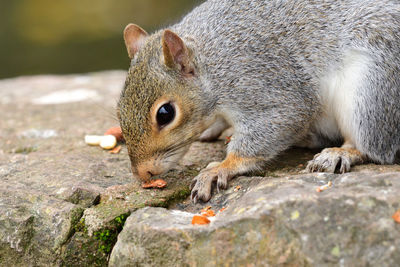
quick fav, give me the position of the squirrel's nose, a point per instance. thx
(146, 170)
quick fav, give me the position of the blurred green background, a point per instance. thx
(68, 36)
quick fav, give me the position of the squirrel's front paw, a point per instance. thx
(334, 159)
(202, 183)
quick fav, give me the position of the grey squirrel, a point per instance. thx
(280, 72)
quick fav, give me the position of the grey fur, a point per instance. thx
(264, 60)
(259, 65)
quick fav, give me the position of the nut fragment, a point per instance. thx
(205, 209)
(108, 142)
(158, 183)
(116, 131)
(323, 187)
(197, 219)
(208, 213)
(396, 216)
(93, 140)
(115, 150)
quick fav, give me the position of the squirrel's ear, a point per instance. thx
(134, 37)
(176, 54)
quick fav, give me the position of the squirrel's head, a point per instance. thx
(162, 108)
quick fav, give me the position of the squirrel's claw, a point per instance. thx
(334, 160)
(194, 197)
(193, 183)
(222, 182)
(202, 183)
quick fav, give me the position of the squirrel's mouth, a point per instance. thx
(159, 163)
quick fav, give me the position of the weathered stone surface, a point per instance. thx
(63, 203)
(35, 225)
(49, 178)
(275, 221)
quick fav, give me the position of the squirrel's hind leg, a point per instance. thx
(336, 159)
(214, 131)
(378, 111)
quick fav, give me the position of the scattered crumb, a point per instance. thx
(105, 141)
(208, 213)
(323, 187)
(205, 209)
(159, 183)
(115, 131)
(93, 140)
(396, 216)
(115, 150)
(237, 188)
(222, 209)
(198, 219)
(108, 142)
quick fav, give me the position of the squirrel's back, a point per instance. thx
(314, 33)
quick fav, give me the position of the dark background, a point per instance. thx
(69, 36)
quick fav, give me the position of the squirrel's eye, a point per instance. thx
(165, 114)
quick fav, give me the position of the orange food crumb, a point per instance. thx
(116, 131)
(159, 183)
(198, 219)
(115, 150)
(222, 209)
(323, 187)
(237, 188)
(208, 213)
(205, 209)
(396, 216)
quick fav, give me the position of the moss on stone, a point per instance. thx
(25, 149)
(107, 240)
(83, 250)
(80, 226)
